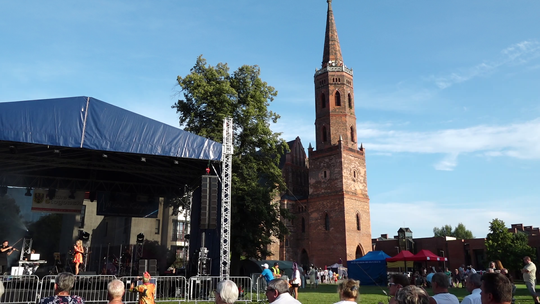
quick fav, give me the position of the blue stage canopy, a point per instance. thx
(89, 123)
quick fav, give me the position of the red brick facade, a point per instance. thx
(458, 251)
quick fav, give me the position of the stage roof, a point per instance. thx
(83, 143)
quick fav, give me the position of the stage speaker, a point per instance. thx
(212, 222)
(209, 201)
(148, 265)
(205, 189)
(152, 267)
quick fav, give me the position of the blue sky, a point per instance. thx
(447, 93)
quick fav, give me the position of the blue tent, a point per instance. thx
(369, 269)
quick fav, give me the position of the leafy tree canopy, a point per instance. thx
(211, 94)
(509, 248)
(11, 222)
(459, 232)
(45, 232)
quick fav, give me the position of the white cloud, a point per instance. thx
(519, 140)
(448, 163)
(519, 53)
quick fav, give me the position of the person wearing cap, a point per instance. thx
(266, 273)
(275, 271)
(146, 290)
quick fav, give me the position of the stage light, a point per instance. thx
(51, 194)
(104, 155)
(84, 236)
(175, 162)
(28, 191)
(140, 238)
(143, 159)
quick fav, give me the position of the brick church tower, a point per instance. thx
(339, 224)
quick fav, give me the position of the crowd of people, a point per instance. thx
(64, 282)
(489, 288)
(494, 286)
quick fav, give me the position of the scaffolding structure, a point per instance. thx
(226, 179)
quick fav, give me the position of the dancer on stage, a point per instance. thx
(78, 258)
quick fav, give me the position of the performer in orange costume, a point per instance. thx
(78, 249)
(146, 290)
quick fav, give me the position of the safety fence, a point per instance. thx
(93, 289)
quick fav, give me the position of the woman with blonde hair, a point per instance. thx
(78, 250)
(348, 291)
(498, 266)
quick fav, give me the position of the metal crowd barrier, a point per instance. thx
(201, 288)
(168, 288)
(20, 289)
(93, 289)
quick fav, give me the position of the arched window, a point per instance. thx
(350, 101)
(323, 134)
(338, 99)
(323, 101)
(352, 135)
(303, 225)
(358, 222)
(326, 222)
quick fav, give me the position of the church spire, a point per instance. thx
(332, 50)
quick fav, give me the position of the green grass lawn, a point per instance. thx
(327, 293)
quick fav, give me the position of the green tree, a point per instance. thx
(459, 232)
(445, 230)
(509, 248)
(11, 222)
(45, 232)
(212, 94)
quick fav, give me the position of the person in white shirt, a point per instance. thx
(439, 285)
(473, 286)
(348, 291)
(529, 277)
(277, 292)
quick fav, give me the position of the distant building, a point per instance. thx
(458, 251)
(110, 236)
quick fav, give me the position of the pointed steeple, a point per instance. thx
(332, 49)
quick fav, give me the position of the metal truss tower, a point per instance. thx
(226, 178)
